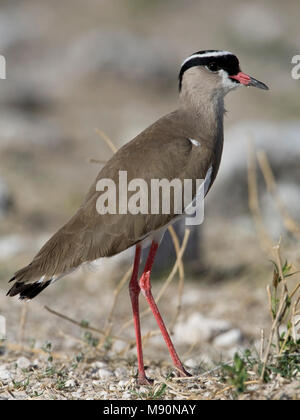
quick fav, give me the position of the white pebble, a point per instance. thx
(199, 328)
(119, 346)
(98, 365)
(23, 363)
(122, 383)
(105, 373)
(102, 394)
(192, 363)
(4, 373)
(70, 383)
(229, 338)
(120, 372)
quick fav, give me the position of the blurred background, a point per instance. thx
(73, 66)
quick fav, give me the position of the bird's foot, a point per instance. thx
(143, 380)
(181, 372)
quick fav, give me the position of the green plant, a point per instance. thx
(21, 385)
(236, 375)
(283, 349)
(90, 339)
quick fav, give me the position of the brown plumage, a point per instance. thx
(89, 235)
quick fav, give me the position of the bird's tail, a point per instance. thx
(56, 259)
(29, 282)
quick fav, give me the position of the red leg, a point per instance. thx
(145, 286)
(134, 291)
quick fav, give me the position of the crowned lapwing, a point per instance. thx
(185, 144)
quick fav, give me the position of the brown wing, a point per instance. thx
(161, 151)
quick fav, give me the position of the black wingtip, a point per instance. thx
(33, 290)
(27, 291)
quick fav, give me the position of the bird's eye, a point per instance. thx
(213, 67)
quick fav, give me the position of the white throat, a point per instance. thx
(227, 83)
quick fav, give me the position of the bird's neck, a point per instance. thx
(205, 107)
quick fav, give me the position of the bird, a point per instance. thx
(185, 144)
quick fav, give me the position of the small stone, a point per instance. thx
(191, 363)
(126, 395)
(199, 328)
(120, 372)
(23, 363)
(122, 383)
(4, 373)
(119, 346)
(102, 394)
(229, 338)
(98, 365)
(97, 382)
(70, 383)
(105, 373)
(76, 395)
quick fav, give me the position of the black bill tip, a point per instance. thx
(257, 83)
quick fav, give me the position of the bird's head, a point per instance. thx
(215, 70)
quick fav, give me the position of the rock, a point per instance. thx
(199, 328)
(4, 373)
(228, 339)
(119, 346)
(23, 363)
(103, 394)
(70, 383)
(191, 363)
(121, 372)
(191, 296)
(35, 363)
(105, 373)
(122, 383)
(76, 395)
(143, 390)
(98, 365)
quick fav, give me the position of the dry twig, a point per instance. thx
(264, 237)
(80, 324)
(290, 224)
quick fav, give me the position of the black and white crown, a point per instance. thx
(213, 60)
